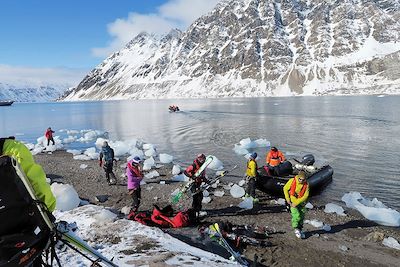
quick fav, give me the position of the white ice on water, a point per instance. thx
(246, 144)
(373, 210)
(334, 208)
(66, 196)
(238, 149)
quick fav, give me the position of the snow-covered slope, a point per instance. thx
(31, 92)
(260, 48)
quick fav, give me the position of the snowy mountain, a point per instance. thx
(260, 48)
(31, 93)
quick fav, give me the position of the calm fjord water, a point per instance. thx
(356, 135)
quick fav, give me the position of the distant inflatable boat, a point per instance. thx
(318, 178)
(173, 108)
(6, 103)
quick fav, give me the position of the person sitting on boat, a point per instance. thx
(190, 173)
(251, 176)
(296, 192)
(273, 159)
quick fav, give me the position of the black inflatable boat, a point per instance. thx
(273, 181)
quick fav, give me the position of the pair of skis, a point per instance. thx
(216, 234)
(61, 230)
(175, 199)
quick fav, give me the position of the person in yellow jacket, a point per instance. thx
(251, 176)
(296, 192)
(37, 177)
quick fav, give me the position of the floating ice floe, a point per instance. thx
(70, 139)
(176, 169)
(66, 196)
(165, 158)
(373, 210)
(391, 243)
(90, 135)
(315, 223)
(245, 144)
(334, 208)
(246, 204)
(237, 191)
(238, 149)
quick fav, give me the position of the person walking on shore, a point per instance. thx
(135, 176)
(49, 136)
(107, 153)
(296, 192)
(190, 173)
(251, 176)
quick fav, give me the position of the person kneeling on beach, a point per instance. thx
(296, 192)
(135, 176)
(251, 176)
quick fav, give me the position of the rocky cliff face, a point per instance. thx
(260, 48)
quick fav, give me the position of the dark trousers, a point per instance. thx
(50, 139)
(108, 168)
(251, 186)
(197, 199)
(136, 196)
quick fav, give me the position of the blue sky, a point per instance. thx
(76, 35)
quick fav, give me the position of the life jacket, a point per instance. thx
(135, 170)
(108, 153)
(249, 170)
(274, 158)
(24, 233)
(292, 191)
(192, 169)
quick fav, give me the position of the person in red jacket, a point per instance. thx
(49, 136)
(190, 173)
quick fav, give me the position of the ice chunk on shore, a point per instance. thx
(326, 228)
(309, 206)
(105, 216)
(242, 183)
(180, 178)
(391, 243)
(165, 158)
(206, 200)
(219, 193)
(334, 208)
(315, 223)
(148, 163)
(152, 174)
(176, 169)
(372, 210)
(237, 191)
(148, 146)
(216, 164)
(246, 204)
(91, 153)
(83, 166)
(66, 196)
(150, 152)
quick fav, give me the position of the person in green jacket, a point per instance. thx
(37, 177)
(296, 192)
(251, 176)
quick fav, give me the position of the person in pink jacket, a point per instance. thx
(135, 176)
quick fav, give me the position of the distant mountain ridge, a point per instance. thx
(31, 93)
(260, 48)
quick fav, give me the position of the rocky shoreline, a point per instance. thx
(352, 241)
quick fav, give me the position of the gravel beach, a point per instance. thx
(352, 241)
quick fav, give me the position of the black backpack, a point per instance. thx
(24, 233)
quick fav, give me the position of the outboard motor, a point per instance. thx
(308, 160)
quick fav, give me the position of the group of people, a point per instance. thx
(173, 108)
(296, 190)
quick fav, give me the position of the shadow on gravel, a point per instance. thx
(234, 211)
(340, 227)
(192, 237)
(55, 178)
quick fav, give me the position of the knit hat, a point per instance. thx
(253, 155)
(136, 160)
